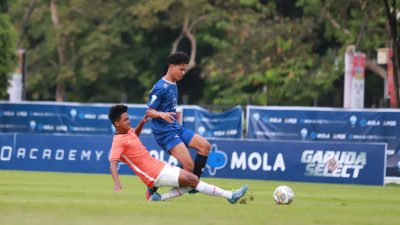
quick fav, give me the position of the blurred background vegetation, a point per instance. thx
(261, 52)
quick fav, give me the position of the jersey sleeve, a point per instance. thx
(116, 152)
(155, 96)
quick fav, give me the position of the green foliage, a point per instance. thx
(287, 52)
(266, 61)
(7, 50)
(249, 51)
(114, 53)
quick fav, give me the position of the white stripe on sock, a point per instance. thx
(213, 190)
(175, 192)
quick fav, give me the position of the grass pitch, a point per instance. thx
(41, 198)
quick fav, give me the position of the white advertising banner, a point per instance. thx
(15, 88)
(354, 82)
(358, 81)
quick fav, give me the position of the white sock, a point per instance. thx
(175, 192)
(213, 190)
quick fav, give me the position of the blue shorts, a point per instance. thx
(169, 140)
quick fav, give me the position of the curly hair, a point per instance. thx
(178, 58)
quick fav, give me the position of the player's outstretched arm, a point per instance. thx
(139, 127)
(167, 116)
(114, 174)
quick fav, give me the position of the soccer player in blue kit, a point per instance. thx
(169, 134)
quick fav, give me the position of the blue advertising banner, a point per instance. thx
(65, 153)
(64, 118)
(272, 160)
(328, 124)
(298, 161)
(219, 125)
(6, 147)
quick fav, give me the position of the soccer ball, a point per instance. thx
(283, 195)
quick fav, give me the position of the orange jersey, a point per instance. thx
(129, 149)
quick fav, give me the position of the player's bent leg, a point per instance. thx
(203, 149)
(182, 154)
(178, 149)
(200, 144)
(185, 180)
(171, 176)
(167, 142)
(188, 179)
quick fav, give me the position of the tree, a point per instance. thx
(266, 58)
(392, 20)
(79, 54)
(97, 56)
(60, 89)
(359, 22)
(249, 51)
(7, 49)
(290, 52)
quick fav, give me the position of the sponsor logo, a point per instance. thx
(348, 164)
(290, 120)
(371, 123)
(9, 113)
(216, 133)
(22, 114)
(6, 154)
(223, 133)
(45, 127)
(201, 130)
(353, 120)
(217, 159)
(87, 116)
(153, 99)
(189, 119)
(314, 135)
(62, 128)
(267, 119)
(275, 120)
(102, 117)
(163, 156)
(304, 133)
(256, 116)
(389, 123)
(339, 136)
(32, 125)
(254, 161)
(73, 113)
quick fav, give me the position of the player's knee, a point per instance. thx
(205, 147)
(193, 180)
(188, 166)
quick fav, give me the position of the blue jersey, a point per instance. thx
(164, 98)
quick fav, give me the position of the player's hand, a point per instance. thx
(168, 116)
(117, 188)
(146, 117)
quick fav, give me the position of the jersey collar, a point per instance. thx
(169, 82)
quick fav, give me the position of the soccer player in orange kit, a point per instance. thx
(127, 148)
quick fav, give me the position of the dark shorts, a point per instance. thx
(171, 139)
